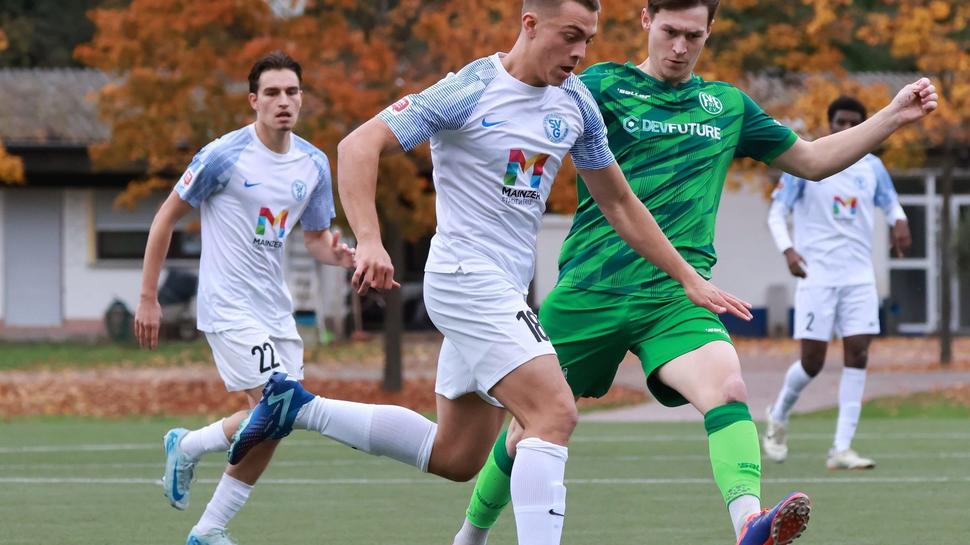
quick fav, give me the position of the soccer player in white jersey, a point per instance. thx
(252, 185)
(832, 258)
(499, 130)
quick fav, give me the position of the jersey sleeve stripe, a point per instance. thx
(592, 149)
(211, 167)
(446, 105)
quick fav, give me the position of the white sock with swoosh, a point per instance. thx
(538, 494)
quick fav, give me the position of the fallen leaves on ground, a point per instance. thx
(155, 392)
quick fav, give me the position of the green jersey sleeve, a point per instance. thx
(762, 137)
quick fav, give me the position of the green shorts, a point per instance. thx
(593, 330)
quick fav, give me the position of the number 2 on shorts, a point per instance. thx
(273, 364)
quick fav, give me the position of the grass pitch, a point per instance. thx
(93, 482)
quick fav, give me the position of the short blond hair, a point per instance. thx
(543, 5)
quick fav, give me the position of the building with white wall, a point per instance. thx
(67, 252)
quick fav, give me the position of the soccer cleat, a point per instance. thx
(272, 418)
(179, 469)
(774, 441)
(778, 526)
(848, 459)
(213, 537)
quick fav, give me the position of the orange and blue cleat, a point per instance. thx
(778, 526)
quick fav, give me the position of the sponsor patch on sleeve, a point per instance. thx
(400, 106)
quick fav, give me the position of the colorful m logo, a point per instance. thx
(518, 163)
(266, 216)
(844, 207)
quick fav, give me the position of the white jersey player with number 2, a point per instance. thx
(836, 293)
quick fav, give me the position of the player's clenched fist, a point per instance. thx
(374, 269)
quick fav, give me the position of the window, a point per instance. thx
(122, 234)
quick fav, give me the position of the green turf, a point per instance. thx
(628, 483)
(915, 405)
(39, 355)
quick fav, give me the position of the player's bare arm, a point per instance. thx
(148, 315)
(358, 155)
(634, 223)
(834, 153)
(325, 247)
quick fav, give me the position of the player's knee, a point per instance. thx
(560, 420)
(857, 358)
(734, 390)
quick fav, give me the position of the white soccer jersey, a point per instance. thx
(250, 199)
(496, 145)
(834, 219)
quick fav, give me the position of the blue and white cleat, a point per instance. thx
(272, 418)
(179, 469)
(778, 526)
(213, 537)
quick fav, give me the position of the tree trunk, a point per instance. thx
(946, 253)
(394, 314)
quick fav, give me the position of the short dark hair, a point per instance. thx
(848, 103)
(277, 60)
(530, 5)
(653, 6)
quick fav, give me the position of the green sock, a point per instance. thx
(735, 452)
(492, 489)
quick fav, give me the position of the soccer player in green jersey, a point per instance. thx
(674, 136)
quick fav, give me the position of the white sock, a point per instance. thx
(796, 379)
(227, 500)
(851, 386)
(741, 508)
(211, 438)
(538, 494)
(471, 535)
(381, 430)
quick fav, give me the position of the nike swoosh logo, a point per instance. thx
(247, 183)
(175, 486)
(486, 124)
(552, 512)
(286, 397)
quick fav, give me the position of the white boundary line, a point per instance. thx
(357, 461)
(432, 481)
(645, 438)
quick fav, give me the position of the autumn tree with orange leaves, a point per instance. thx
(11, 166)
(179, 70)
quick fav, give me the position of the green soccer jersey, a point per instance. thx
(675, 145)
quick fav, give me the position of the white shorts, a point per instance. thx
(246, 357)
(488, 327)
(846, 310)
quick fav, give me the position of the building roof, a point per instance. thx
(50, 107)
(45, 107)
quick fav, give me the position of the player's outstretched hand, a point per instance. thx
(374, 269)
(795, 263)
(704, 294)
(915, 101)
(343, 255)
(148, 316)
